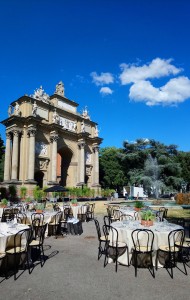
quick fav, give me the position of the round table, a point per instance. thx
(125, 228)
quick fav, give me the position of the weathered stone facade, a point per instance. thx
(48, 142)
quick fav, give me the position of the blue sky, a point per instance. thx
(128, 61)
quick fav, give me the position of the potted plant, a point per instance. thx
(39, 207)
(74, 202)
(147, 217)
(4, 202)
(138, 205)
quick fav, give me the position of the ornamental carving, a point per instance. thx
(88, 170)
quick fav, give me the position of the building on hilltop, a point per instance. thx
(48, 142)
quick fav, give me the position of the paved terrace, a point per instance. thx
(73, 272)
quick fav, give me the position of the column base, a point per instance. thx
(30, 181)
(80, 184)
(52, 183)
(96, 185)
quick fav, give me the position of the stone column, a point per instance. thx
(7, 157)
(14, 173)
(53, 138)
(96, 165)
(31, 158)
(81, 166)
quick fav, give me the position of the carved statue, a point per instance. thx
(34, 109)
(10, 110)
(96, 132)
(17, 109)
(55, 117)
(39, 94)
(60, 89)
(85, 114)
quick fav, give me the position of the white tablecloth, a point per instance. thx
(7, 233)
(161, 231)
(79, 209)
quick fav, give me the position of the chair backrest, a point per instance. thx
(164, 211)
(38, 216)
(107, 220)
(176, 237)
(21, 240)
(97, 228)
(7, 215)
(58, 217)
(143, 238)
(111, 235)
(38, 230)
(126, 218)
(116, 213)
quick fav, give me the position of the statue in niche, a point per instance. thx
(96, 132)
(10, 110)
(75, 126)
(82, 127)
(34, 109)
(55, 117)
(17, 109)
(60, 90)
(85, 114)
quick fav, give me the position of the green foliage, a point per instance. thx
(3, 192)
(138, 204)
(4, 201)
(13, 190)
(147, 215)
(112, 174)
(23, 191)
(38, 193)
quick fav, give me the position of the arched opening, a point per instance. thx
(64, 157)
(38, 176)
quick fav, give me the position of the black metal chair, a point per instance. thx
(113, 247)
(37, 240)
(19, 250)
(7, 215)
(54, 225)
(143, 249)
(101, 239)
(168, 254)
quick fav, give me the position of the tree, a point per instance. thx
(112, 174)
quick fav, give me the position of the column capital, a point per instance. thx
(95, 148)
(8, 135)
(54, 137)
(81, 144)
(31, 131)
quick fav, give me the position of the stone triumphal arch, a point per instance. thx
(48, 142)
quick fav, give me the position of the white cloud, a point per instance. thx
(103, 78)
(106, 91)
(155, 69)
(175, 91)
